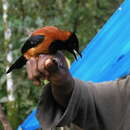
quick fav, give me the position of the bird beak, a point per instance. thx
(74, 52)
(77, 51)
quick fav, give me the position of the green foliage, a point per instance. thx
(85, 17)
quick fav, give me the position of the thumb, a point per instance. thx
(52, 65)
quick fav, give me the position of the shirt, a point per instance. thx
(92, 106)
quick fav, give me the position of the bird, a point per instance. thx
(47, 40)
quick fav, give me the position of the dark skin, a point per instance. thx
(54, 69)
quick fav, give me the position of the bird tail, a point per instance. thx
(20, 62)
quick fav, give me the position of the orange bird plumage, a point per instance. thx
(47, 40)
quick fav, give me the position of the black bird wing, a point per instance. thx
(56, 45)
(32, 42)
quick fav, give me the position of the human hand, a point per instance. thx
(53, 68)
(50, 67)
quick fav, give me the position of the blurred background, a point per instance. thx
(18, 18)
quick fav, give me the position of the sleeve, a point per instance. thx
(92, 106)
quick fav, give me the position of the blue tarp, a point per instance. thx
(31, 123)
(105, 58)
(108, 51)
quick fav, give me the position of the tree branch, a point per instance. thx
(4, 120)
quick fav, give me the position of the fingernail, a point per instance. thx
(32, 59)
(41, 56)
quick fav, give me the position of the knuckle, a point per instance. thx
(51, 66)
(32, 61)
(49, 63)
(40, 67)
(41, 56)
(30, 77)
(28, 63)
(35, 75)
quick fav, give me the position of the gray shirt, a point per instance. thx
(92, 106)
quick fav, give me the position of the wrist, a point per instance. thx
(62, 92)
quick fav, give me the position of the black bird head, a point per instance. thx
(73, 45)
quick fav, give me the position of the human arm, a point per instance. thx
(54, 68)
(98, 106)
